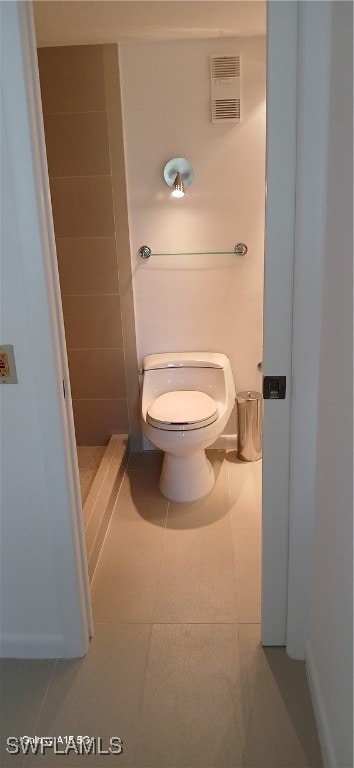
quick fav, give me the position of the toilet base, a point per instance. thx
(186, 478)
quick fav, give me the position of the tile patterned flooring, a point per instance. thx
(175, 668)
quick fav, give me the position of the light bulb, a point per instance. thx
(178, 188)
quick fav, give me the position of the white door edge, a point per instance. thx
(76, 633)
(282, 51)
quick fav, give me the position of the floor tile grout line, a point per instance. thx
(142, 692)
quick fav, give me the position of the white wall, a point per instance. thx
(42, 584)
(330, 650)
(196, 302)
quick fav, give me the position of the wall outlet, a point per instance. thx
(8, 373)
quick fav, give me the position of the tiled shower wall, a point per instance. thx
(83, 131)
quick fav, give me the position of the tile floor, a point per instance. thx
(175, 668)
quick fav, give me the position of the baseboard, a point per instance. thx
(99, 504)
(31, 646)
(323, 727)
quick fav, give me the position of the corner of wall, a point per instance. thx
(318, 701)
(118, 172)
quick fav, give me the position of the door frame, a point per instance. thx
(299, 64)
(280, 241)
(282, 41)
(72, 573)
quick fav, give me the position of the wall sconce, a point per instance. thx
(178, 174)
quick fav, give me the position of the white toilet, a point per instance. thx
(187, 399)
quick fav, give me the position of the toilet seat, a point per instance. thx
(182, 410)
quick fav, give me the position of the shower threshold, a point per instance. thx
(98, 505)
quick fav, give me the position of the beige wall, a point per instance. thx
(207, 302)
(82, 120)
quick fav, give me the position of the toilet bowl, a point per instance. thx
(186, 401)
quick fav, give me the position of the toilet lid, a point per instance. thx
(182, 410)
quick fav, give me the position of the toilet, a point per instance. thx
(186, 401)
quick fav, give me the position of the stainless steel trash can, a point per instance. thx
(250, 425)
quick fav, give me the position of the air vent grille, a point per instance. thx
(225, 66)
(225, 89)
(225, 110)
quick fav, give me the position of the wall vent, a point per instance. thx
(225, 89)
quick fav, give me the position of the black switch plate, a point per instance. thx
(274, 387)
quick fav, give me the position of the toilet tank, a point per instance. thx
(185, 360)
(208, 372)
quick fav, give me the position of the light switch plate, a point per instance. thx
(8, 373)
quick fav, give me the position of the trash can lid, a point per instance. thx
(249, 395)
